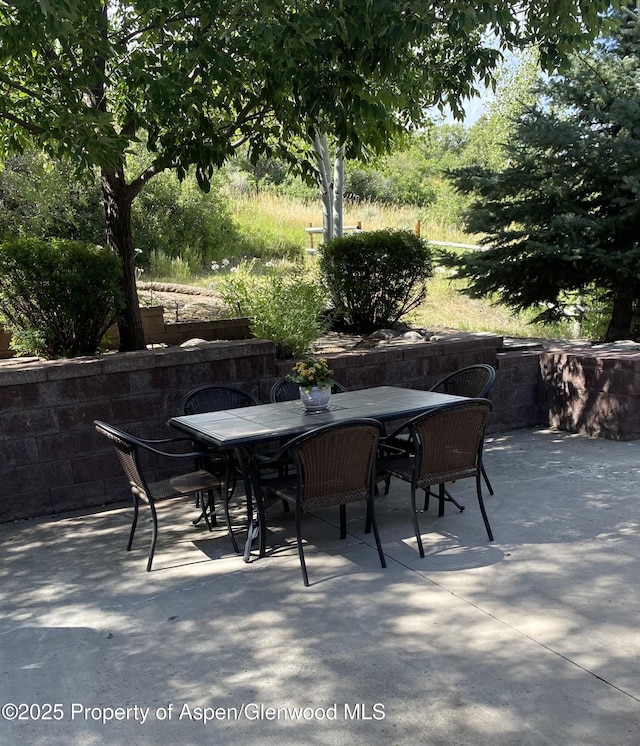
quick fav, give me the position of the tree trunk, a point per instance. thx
(621, 321)
(117, 206)
(321, 150)
(338, 193)
(331, 187)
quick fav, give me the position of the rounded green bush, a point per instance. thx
(57, 297)
(375, 278)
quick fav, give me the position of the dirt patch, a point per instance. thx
(182, 302)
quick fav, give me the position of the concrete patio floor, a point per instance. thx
(532, 639)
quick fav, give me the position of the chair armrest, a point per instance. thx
(261, 459)
(160, 441)
(269, 459)
(169, 454)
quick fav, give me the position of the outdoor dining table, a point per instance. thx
(241, 430)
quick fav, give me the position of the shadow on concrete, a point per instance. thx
(529, 640)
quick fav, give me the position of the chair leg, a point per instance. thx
(372, 517)
(367, 519)
(451, 499)
(441, 499)
(343, 521)
(447, 496)
(212, 518)
(414, 516)
(234, 543)
(482, 508)
(487, 482)
(303, 566)
(134, 523)
(253, 488)
(232, 481)
(208, 511)
(154, 535)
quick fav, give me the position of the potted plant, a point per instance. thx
(314, 377)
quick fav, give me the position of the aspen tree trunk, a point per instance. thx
(331, 181)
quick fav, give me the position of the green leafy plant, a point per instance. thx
(375, 278)
(283, 307)
(312, 372)
(57, 297)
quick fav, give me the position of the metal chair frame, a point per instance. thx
(446, 446)
(335, 465)
(211, 398)
(128, 449)
(474, 381)
(214, 397)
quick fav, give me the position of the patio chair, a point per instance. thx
(474, 381)
(213, 398)
(129, 451)
(446, 445)
(283, 390)
(335, 465)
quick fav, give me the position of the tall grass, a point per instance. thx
(446, 307)
(273, 226)
(269, 218)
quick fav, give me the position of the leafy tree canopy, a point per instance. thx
(196, 78)
(564, 215)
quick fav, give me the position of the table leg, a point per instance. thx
(253, 526)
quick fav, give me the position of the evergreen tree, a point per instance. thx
(563, 216)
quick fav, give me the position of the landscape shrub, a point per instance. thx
(285, 307)
(57, 297)
(367, 185)
(375, 278)
(171, 218)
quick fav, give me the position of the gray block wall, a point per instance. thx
(52, 460)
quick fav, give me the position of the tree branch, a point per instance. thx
(18, 87)
(162, 23)
(32, 129)
(245, 117)
(137, 185)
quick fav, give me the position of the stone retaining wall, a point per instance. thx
(594, 391)
(516, 391)
(51, 459)
(156, 331)
(413, 365)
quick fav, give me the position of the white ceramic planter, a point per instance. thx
(315, 399)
